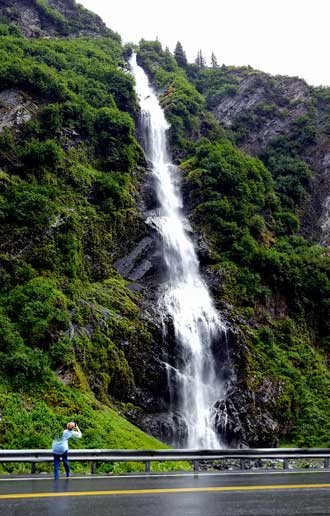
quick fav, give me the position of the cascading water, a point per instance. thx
(185, 297)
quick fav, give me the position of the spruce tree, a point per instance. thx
(214, 62)
(180, 55)
(200, 61)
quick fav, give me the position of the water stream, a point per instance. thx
(185, 298)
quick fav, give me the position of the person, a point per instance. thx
(60, 448)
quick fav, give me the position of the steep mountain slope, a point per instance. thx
(270, 117)
(270, 282)
(42, 18)
(71, 334)
(80, 270)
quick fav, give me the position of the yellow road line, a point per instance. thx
(165, 490)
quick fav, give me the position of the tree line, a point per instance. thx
(181, 57)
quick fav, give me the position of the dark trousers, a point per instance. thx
(57, 460)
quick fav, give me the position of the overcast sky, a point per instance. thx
(290, 37)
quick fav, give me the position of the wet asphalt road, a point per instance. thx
(242, 496)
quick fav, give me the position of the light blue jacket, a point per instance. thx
(61, 445)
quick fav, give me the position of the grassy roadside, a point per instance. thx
(32, 420)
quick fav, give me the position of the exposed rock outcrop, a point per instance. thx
(274, 105)
(38, 18)
(15, 109)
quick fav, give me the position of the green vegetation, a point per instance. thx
(183, 105)
(213, 83)
(67, 197)
(52, 15)
(321, 98)
(180, 55)
(71, 332)
(255, 236)
(63, 19)
(268, 272)
(285, 354)
(30, 419)
(248, 212)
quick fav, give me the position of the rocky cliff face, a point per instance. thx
(16, 109)
(103, 222)
(246, 416)
(38, 18)
(287, 98)
(265, 109)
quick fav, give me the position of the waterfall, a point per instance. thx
(185, 298)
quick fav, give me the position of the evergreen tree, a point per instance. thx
(168, 61)
(180, 55)
(214, 62)
(200, 61)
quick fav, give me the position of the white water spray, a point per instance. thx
(186, 298)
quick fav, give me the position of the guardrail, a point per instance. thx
(95, 456)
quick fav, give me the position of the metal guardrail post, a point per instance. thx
(196, 465)
(244, 463)
(33, 468)
(147, 466)
(93, 467)
(285, 463)
(326, 462)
